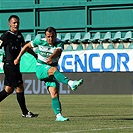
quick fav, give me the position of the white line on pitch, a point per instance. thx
(97, 129)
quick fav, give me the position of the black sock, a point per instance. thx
(21, 101)
(3, 95)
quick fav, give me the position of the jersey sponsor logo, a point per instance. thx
(47, 49)
(14, 47)
(1, 42)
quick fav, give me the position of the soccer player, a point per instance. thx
(49, 52)
(12, 41)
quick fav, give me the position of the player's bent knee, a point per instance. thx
(9, 90)
(52, 70)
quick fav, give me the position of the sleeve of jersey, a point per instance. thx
(2, 38)
(61, 45)
(1, 43)
(36, 42)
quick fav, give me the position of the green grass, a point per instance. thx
(87, 113)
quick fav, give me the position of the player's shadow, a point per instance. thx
(128, 119)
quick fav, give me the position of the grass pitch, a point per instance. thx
(87, 114)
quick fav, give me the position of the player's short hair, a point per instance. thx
(50, 29)
(13, 16)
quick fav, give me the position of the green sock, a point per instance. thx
(61, 77)
(56, 105)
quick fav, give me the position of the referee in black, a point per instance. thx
(12, 41)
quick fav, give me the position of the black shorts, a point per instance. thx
(13, 77)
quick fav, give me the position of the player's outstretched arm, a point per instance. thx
(23, 50)
(30, 51)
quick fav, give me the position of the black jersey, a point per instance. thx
(12, 44)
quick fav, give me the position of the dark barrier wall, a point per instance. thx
(94, 83)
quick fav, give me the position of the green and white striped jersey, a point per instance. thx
(45, 50)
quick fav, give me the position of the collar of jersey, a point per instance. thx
(11, 32)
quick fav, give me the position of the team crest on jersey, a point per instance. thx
(1, 42)
(19, 36)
